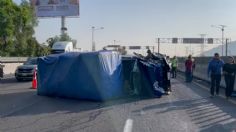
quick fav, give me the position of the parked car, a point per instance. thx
(26, 71)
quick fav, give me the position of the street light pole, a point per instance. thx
(93, 41)
(222, 28)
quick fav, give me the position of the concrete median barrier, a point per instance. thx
(8, 65)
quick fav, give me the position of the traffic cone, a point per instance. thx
(34, 81)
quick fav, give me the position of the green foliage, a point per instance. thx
(17, 24)
(64, 37)
(52, 40)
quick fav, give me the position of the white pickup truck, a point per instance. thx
(62, 47)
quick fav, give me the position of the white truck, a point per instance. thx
(62, 47)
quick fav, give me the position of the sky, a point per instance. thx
(139, 22)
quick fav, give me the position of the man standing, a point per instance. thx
(174, 64)
(214, 72)
(189, 66)
(229, 74)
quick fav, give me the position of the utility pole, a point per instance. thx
(226, 48)
(93, 41)
(203, 44)
(158, 45)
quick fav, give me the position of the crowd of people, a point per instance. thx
(216, 69)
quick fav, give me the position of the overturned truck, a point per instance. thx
(98, 76)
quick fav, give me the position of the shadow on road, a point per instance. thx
(29, 103)
(12, 80)
(209, 114)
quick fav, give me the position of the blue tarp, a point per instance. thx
(152, 78)
(93, 76)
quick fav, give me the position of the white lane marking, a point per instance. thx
(128, 125)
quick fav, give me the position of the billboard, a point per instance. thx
(56, 8)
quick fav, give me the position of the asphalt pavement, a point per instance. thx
(187, 109)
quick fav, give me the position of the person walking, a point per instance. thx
(229, 74)
(189, 66)
(166, 75)
(174, 64)
(214, 72)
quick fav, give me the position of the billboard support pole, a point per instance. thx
(63, 28)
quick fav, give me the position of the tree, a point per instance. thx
(24, 29)
(17, 29)
(7, 11)
(42, 50)
(64, 37)
(52, 40)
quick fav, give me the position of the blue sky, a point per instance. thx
(139, 22)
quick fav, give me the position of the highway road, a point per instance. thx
(188, 109)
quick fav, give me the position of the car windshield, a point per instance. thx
(31, 62)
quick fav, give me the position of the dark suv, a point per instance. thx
(26, 71)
